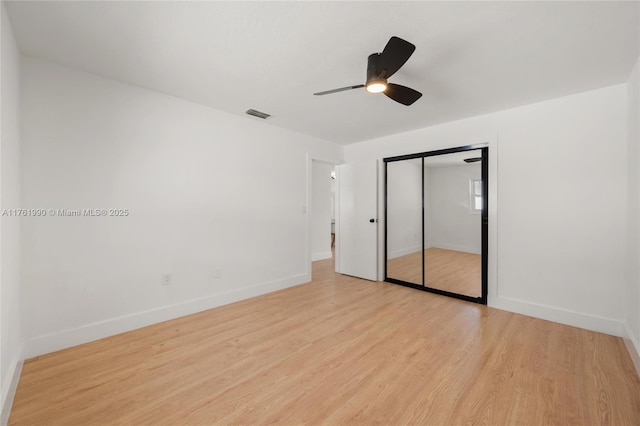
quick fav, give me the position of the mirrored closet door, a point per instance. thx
(436, 221)
(404, 220)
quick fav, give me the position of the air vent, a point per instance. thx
(258, 114)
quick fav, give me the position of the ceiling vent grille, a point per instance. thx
(258, 114)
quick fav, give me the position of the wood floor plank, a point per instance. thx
(338, 350)
(449, 270)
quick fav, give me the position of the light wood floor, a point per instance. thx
(454, 271)
(338, 350)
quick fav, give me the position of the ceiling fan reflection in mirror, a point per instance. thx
(381, 66)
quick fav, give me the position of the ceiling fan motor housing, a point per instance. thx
(372, 66)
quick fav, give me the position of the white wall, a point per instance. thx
(11, 336)
(205, 190)
(404, 207)
(449, 223)
(554, 253)
(633, 211)
(321, 211)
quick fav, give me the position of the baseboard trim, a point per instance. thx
(87, 333)
(563, 316)
(454, 247)
(321, 256)
(10, 387)
(633, 346)
(403, 252)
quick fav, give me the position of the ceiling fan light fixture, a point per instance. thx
(376, 86)
(381, 66)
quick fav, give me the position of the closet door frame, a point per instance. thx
(484, 150)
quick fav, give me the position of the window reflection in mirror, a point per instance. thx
(453, 233)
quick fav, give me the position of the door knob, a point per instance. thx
(372, 220)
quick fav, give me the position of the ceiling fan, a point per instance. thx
(381, 66)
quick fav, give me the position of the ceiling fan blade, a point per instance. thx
(402, 94)
(393, 57)
(342, 89)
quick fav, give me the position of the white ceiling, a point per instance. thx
(471, 57)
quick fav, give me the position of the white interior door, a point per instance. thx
(357, 232)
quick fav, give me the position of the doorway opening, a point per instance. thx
(322, 214)
(436, 221)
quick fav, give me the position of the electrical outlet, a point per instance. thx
(167, 279)
(216, 272)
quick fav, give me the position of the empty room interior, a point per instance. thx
(292, 212)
